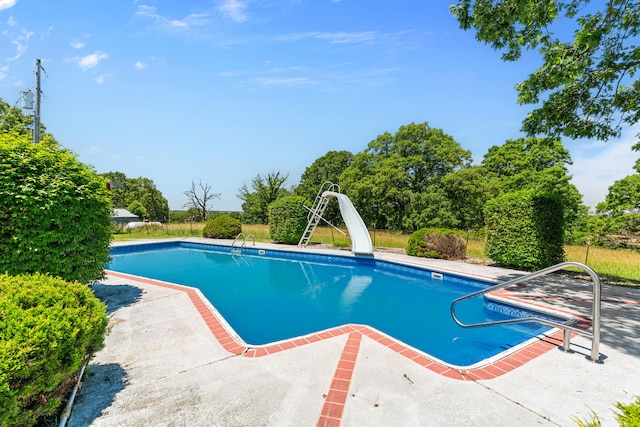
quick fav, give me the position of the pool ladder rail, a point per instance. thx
(566, 327)
(244, 241)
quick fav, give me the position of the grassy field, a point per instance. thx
(620, 266)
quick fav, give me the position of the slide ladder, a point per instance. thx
(316, 212)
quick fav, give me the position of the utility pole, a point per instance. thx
(36, 110)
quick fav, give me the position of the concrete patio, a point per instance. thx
(165, 363)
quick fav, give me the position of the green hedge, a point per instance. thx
(47, 326)
(55, 212)
(222, 227)
(440, 243)
(525, 230)
(287, 219)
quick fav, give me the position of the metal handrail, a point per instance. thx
(250, 235)
(236, 239)
(597, 296)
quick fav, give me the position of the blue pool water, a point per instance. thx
(271, 295)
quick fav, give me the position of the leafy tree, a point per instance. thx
(137, 209)
(388, 181)
(431, 207)
(56, 212)
(467, 191)
(13, 120)
(587, 84)
(125, 191)
(200, 199)
(537, 164)
(326, 168)
(265, 191)
(623, 196)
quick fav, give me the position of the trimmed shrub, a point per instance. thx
(56, 211)
(222, 227)
(287, 219)
(525, 230)
(47, 326)
(438, 243)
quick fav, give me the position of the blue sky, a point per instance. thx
(223, 90)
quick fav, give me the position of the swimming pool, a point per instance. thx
(269, 295)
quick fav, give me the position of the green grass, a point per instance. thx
(615, 265)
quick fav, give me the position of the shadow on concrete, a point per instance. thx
(102, 383)
(117, 296)
(620, 308)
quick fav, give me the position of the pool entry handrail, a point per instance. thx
(567, 327)
(244, 239)
(241, 234)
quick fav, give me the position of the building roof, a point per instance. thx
(122, 213)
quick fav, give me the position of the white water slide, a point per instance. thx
(360, 238)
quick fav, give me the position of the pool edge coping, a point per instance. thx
(487, 369)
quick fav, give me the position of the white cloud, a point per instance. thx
(186, 23)
(91, 151)
(139, 65)
(284, 81)
(77, 43)
(91, 60)
(103, 78)
(12, 22)
(233, 9)
(20, 44)
(6, 4)
(597, 165)
(3, 72)
(333, 38)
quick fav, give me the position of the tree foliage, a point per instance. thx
(199, 199)
(623, 197)
(467, 190)
(534, 163)
(265, 191)
(56, 212)
(587, 85)
(125, 191)
(138, 209)
(398, 176)
(12, 120)
(327, 168)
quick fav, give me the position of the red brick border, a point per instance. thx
(335, 399)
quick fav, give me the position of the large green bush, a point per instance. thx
(287, 219)
(222, 227)
(47, 326)
(55, 214)
(525, 230)
(440, 243)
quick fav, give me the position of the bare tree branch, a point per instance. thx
(199, 198)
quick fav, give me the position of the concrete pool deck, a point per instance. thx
(167, 362)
